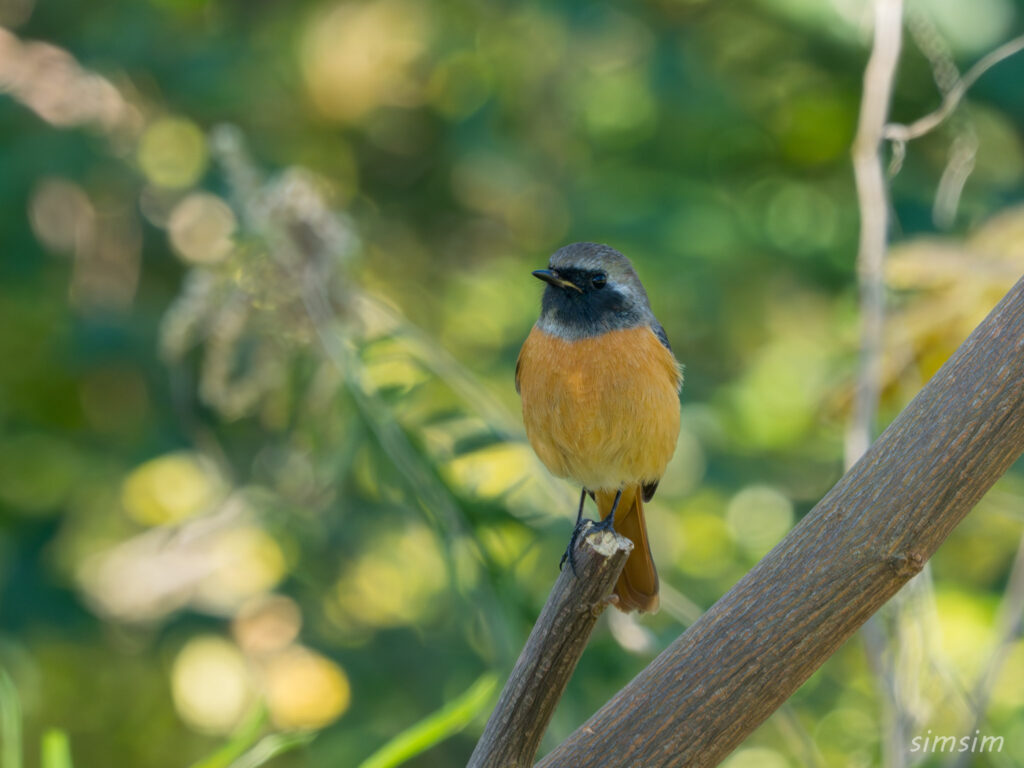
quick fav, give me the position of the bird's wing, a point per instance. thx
(649, 489)
(660, 333)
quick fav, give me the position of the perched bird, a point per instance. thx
(600, 391)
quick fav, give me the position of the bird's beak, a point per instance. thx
(551, 277)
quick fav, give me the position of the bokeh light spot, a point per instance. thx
(246, 561)
(969, 28)
(966, 628)
(267, 623)
(172, 153)
(305, 690)
(775, 401)
(361, 55)
(706, 546)
(759, 517)
(493, 471)
(210, 684)
(170, 489)
(61, 215)
(201, 228)
(815, 127)
(396, 580)
(618, 104)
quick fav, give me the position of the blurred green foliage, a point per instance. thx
(263, 280)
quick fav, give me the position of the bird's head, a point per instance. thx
(591, 289)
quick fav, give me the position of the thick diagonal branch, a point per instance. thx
(518, 722)
(873, 531)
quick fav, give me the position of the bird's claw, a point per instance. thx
(570, 551)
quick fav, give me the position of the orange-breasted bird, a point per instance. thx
(600, 390)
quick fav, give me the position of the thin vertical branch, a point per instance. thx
(872, 198)
(873, 202)
(1012, 620)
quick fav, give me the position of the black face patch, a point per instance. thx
(591, 310)
(585, 279)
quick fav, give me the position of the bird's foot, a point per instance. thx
(608, 524)
(584, 527)
(570, 551)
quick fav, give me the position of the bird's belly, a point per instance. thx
(603, 411)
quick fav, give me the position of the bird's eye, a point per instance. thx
(600, 280)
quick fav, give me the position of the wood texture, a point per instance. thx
(870, 534)
(514, 730)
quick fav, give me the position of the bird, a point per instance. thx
(600, 385)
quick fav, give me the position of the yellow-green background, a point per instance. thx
(264, 271)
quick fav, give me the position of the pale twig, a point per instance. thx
(879, 76)
(933, 45)
(958, 169)
(923, 125)
(965, 144)
(1012, 620)
(872, 200)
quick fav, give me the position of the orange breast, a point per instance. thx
(602, 411)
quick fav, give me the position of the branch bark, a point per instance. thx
(869, 535)
(517, 724)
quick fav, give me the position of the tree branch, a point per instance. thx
(518, 722)
(869, 535)
(873, 204)
(902, 133)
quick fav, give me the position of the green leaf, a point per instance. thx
(10, 723)
(243, 738)
(435, 728)
(56, 749)
(270, 747)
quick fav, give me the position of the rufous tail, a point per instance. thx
(637, 587)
